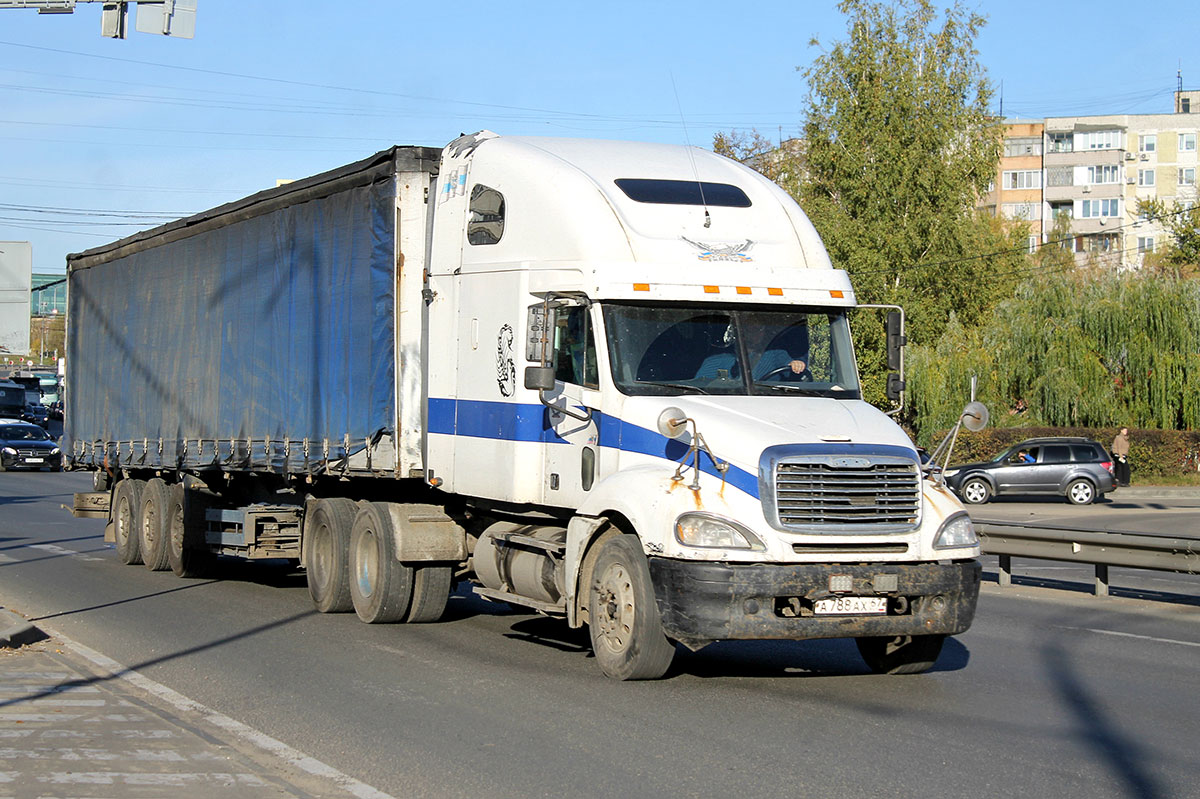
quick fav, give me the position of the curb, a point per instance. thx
(16, 632)
(1156, 492)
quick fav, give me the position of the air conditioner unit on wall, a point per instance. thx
(1087, 189)
(1145, 156)
(1128, 156)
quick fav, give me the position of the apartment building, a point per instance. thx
(1091, 171)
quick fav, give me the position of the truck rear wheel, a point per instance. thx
(327, 565)
(126, 505)
(153, 515)
(901, 654)
(431, 592)
(185, 535)
(381, 587)
(623, 620)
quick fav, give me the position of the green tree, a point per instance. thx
(900, 147)
(1181, 255)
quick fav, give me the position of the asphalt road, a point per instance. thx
(1050, 693)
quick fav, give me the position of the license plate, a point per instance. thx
(850, 605)
(35, 460)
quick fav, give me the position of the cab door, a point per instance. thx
(572, 416)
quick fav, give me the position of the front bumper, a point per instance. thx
(703, 602)
(34, 460)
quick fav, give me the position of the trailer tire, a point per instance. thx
(127, 497)
(186, 554)
(153, 516)
(901, 654)
(381, 587)
(623, 619)
(431, 592)
(327, 534)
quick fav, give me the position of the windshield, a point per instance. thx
(23, 433)
(672, 350)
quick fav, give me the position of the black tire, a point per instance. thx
(100, 481)
(126, 507)
(431, 592)
(623, 619)
(901, 654)
(1081, 492)
(187, 553)
(381, 587)
(327, 563)
(975, 491)
(153, 520)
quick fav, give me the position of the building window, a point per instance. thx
(1187, 142)
(1060, 142)
(1022, 146)
(1100, 209)
(1060, 176)
(1104, 242)
(1062, 210)
(1031, 244)
(1147, 142)
(1145, 244)
(1104, 174)
(1099, 140)
(1145, 177)
(1187, 176)
(1023, 179)
(1025, 211)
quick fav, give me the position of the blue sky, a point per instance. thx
(155, 128)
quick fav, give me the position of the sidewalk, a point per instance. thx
(1155, 492)
(74, 725)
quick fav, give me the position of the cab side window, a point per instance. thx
(575, 348)
(485, 223)
(1056, 453)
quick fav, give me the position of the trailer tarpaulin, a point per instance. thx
(229, 342)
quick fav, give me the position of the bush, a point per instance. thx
(1152, 453)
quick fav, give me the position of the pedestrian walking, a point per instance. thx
(1120, 451)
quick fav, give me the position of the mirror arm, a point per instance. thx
(565, 409)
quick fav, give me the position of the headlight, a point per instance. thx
(705, 531)
(9, 451)
(956, 532)
(55, 451)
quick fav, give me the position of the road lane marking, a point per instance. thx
(1132, 635)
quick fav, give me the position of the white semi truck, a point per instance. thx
(612, 382)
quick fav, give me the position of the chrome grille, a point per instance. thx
(869, 495)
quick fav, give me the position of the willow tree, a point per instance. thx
(1077, 349)
(899, 148)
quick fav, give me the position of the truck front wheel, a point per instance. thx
(901, 654)
(328, 562)
(127, 501)
(623, 620)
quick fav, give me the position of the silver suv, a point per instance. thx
(1078, 468)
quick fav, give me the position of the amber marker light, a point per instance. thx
(836, 294)
(641, 286)
(775, 292)
(712, 289)
(743, 289)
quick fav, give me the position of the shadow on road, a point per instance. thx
(1096, 731)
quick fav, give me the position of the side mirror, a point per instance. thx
(539, 378)
(975, 416)
(672, 422)
(895, 386)
(895, 342)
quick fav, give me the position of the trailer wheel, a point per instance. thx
(126, 506)
(185, 536)
(901, 654)
(153, 516)
(328, 563)
(431, 592)
(381, 587)
(623, 620)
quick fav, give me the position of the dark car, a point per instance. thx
(27, 446)
(37, 413)
(1077, 468)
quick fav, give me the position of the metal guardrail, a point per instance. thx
(1100, 548)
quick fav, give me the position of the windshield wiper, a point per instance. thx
(681, 386)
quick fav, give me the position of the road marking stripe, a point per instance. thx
(244, 731)
(1141, 637)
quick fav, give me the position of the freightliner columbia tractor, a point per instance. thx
(610, 382)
